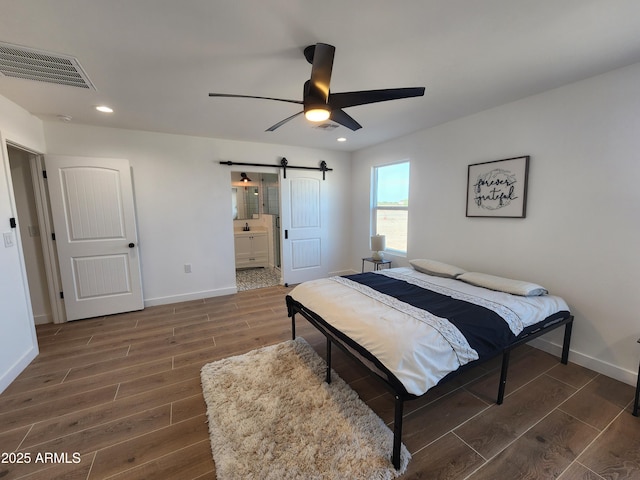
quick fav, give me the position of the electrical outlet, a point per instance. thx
(187, 268)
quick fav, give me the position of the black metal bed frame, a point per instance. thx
(396, 387)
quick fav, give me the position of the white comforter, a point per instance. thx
(417, 347)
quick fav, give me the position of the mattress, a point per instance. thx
(422, 327)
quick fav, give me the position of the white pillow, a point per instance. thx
(515, 287)
(439, 269)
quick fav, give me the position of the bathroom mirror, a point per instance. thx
(245, 195)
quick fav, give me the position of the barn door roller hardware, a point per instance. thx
(284, 164)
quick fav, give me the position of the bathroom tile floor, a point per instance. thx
(251, 278)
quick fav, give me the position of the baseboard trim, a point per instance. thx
(608, 369)
(187, 297)
(341, 273)
(16, 369)
(43, 319)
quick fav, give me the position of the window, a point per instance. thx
(390, 212)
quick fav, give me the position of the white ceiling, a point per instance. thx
(155, 61)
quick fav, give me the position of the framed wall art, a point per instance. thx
(498, 188)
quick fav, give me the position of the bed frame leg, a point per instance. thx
(566, 343)
(637, 397)
(293, 326)
(397, 432)
(503, 376)
(328, 360)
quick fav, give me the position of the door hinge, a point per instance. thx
(12, 222)
(53, 237)
(61, 294)
(44, 174)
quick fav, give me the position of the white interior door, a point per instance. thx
(96, 238)
(303, 227)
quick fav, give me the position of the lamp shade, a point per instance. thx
(378, 243)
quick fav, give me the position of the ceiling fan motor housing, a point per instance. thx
(314, 99)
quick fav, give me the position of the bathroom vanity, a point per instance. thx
(252, 248)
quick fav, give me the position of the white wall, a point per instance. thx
(18, 345)
(582, 232)
(183, 201)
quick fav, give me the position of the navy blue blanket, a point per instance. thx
(485, 330)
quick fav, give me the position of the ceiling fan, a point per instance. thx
(319, 104)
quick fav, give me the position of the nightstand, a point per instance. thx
(376, 263)
(635, 404)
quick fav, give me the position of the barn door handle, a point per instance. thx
(131, 245)
(286, 234)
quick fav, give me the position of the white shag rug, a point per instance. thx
(272, 416)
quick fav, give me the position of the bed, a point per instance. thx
(415, 327)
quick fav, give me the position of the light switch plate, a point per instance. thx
(8, 239)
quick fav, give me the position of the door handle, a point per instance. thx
(131, 245)
(286, 234)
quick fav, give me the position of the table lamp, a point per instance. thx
(377, 246)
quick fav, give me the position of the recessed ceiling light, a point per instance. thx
(342, 139)
(104, 109)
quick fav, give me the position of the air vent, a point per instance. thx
(30, 64)
(327, 126)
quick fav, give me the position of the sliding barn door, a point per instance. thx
(303, 227)
(93, 216)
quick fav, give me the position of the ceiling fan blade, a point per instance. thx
(339, 116)
(282, 122)
(231, 95)
(351, 99)
(321, 71)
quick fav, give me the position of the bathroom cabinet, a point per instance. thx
(252, 249)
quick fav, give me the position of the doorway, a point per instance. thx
(97, 283)
(255, 199)
(24, 171)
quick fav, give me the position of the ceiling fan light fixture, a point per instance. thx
(317, 114)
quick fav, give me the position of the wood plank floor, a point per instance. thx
(119, 397)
